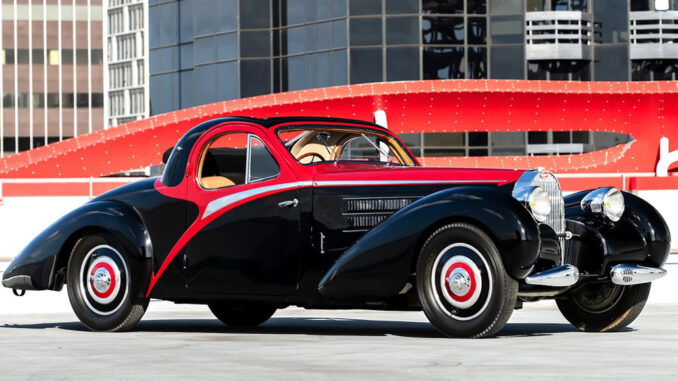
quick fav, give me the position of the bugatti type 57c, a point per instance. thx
(253, 215)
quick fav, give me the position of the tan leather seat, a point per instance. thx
(214, 182)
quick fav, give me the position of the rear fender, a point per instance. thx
(378, 265)
(35, 268)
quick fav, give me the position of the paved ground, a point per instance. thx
(41, 339)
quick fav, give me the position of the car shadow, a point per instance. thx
(314, 326)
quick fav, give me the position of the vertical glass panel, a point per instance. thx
(507, 7)
(614, 26)
(366, 65)
(443, 30)
(187, 99)
(255, 14)
(535, 71)
(227, 81)
(442, 6)
(228, 148)
(507, 139)
(536, 5)
(296, 12)
(640, 70)
(205, 16)
(185, 20)
(365, 7)
(366, 31)
(339, 67)
(323, 70)
(561, 137)
(581, 137)
(402, 64)
(537, 137)
(262, 164)
(402, 6)
(339, 34)
(299, 39)
(402, 30)
(227, 18)
(204, 50)
(642, 5)
(323, 36)
(611, 63)
(255, 77)
(323, 9)
(338, 8)
(559, 5)
(477, 30)
(299, 69)
(186, 56)
(163, 24)
(507, 29)
(164, 93)
(66, 56)
(477, 62)
(443, 63)
(227, 46)
(477, 139)
(204, 84)
(255, 44)
(507, 62)
(444, 139)
(476, 6)
(165, 59)
(39, 57)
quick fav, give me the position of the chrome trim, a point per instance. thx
(561, 276)
(626, 274)
(401, 182)
(15, 280)
(594, 201)
(285, 204)
(223, 202)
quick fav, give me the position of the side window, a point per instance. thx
(234, 159)
(262, 164)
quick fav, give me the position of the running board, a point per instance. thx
(626, 275)
(561, 276)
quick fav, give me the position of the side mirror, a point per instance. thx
(166, 155)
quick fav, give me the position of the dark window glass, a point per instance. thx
(443, 63)
(227, 46)
(38, 100)
(53, 100)
(536, 5)
(477, 152)
(81, 56)
(365, 7)
(97, 56)
(537, 137)
(507, 139)
(402, 30)
(402, 64)
(255, 77)
(67, 100)
(8, 100)
(443, 139)
(581, 72)
(641, 5)
(300, 72)
(507, 29)
(640, 70)
(186, 56)
(9, 56)
(262, 164)
(163, 24)
(227, 19)
(366, 65)
(9, 144)
(67, 56)
(339, 34)
(535, 71)
(611, 63)
(97, 100)
(323, 74)
(443, 30)
(561, 137)
(164, 89)
(402, 6)
(477, 30)
(507, 7)
(411, 140)
(442, 6)
(22, 100)
(186, 20)
(559, 5)
(477, 62)
(186, 82)
(83, 100)
(614, 26)
(323, 36)
(339, 67)
(476, 6)
(255, 44)
(255, 14)
(38, 57)
(204, 50)
(477, 139)
(204, 84)
(298, 39)
(580, 137)
(338, 8)
(366, 31)
(506, 62)
(22, 56)
(165, 59)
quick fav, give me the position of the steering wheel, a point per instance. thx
(310, 154)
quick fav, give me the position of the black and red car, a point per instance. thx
(252, 215)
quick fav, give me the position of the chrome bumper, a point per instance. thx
(568, 275)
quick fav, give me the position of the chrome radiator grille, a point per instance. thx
(548, 182)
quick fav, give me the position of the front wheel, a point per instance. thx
(242, 315)
(603, 307)
(100, 284)
(462, 285)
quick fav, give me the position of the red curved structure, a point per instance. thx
(644, 110)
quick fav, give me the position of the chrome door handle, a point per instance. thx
(289, 203)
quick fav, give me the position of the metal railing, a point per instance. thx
(558, 35)
(653, 34)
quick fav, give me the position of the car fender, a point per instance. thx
(378, 265)
(36, 267)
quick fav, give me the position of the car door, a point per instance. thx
(252, 245)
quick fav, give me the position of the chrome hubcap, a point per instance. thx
(459, 282)
(104, 280)
(101, 280)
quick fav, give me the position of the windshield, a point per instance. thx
(321, 144)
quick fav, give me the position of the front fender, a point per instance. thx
(36, 266)
(378, 264)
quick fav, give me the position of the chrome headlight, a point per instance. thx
(608, 201)
(537, 200)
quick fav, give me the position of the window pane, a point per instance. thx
(262, 164)
(204, 86)
(507, 139)
(443, 30)
(402, 6)
(164, 93)
(339, 67)
(537, 137)
(611, 63)
(186, 21)
(338, 8)
(443, 6)
(477, 62)
(227, 16)
(536, 5)
(443, 139)
(186, 56)
(507, 7)
(163, 24)
(224, 162)
(255, 77)
(204, 50)
(255, 44)
(443, 63)
(227, 46)
(365, 7)
(323, 36)
(507, 29)
(187, 99)
(402, 30)
(255, 14)
(561, 137)
(366, 65)
(614, 26)
(366, 31)
(508, 151)
(476, 6)
(402, 64)
(507, 62)
(476, 139)
(296, 12)
(580, 137)
(339, 34)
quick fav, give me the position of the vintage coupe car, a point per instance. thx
(252, 215)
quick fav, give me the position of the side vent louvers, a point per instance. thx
(364, 213)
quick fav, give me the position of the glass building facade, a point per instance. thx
(52, 71)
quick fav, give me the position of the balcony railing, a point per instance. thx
(558, 35)
(654, 35)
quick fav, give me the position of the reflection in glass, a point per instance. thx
(366, 31)
(442, 6)
(477, 30)
(443, 63)
(507, 62)
(227, 46)
(255, 77)
(402, 6)
(255, 44)
(365, 7)
(476, 6)
(366, 65)
(443, 30)
(402, 64)
(477, 62)
(614, 26)
(402, 30)
(611, 63)
(507, 29)
(255, 14)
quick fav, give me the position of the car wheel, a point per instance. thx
(242, 315)
(603, 307)
(100, 284)
(462, 285)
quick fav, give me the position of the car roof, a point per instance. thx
(273, 122)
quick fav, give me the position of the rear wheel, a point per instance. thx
(100, 284)
(462, 285)
(242, 315)
(604, 307)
